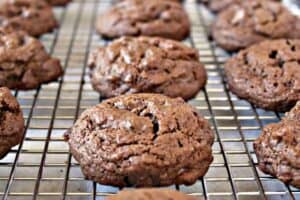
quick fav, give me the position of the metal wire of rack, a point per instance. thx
(41, 167)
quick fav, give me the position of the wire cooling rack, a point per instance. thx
(41, 166)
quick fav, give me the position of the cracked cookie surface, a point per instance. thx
(32, 16)
(278, 150)
(150, 194)
(144, 64)
(254, 21)
(11, 122)
(150, 18)
(24, 63)
(142, 140)
(267, 74)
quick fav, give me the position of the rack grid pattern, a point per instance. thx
(41, 166)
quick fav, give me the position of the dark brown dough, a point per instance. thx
(32, 16)
(220, 5)
(267, 74)
(150, 194)
(142, 140)
(278, 151)
(58, 2)
(24, 63)
(254, 21)
(146, 64)
(11, 122)
(150, 18)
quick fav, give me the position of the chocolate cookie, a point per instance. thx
(151, 18)
(142, 140)
(267, 74)
(24, 63)
(58, 2)
(253, 21)
(150, 194)
(218, 6)
(11, 122)
(277, 148)
(145, 64)
(33, 16)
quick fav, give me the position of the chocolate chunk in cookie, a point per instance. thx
(150, 194)
(146, 64)
(253, 21)
(278, 151)
(142, 140)
(151, 18)
(58, 2)
(32, 16)
(267, 74)
(24, 63)
(11, 122)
